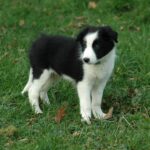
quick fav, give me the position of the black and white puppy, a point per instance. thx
(88, 60)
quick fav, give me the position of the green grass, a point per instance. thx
(128, 90)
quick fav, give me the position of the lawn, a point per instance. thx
(128, 90)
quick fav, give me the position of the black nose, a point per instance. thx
(86, 60)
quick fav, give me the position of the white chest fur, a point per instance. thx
(102, 71)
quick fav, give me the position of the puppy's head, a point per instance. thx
(96, 42)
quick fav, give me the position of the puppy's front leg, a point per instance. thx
(97, 93)
(84, 90)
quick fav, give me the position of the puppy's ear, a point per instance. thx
(82, 33)
(108, 32)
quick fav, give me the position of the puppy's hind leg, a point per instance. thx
(43, 94)
(35, 89)
(44, 97)
(29, 83)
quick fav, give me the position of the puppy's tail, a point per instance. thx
(29, 83)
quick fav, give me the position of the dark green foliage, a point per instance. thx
(121, 6)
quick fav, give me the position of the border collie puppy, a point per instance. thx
(88, 60)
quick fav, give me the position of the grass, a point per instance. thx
(128, 90)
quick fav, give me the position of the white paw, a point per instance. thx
(86, 115)
(97, 112)
(87, 120)
(44, 98)
(38, 111)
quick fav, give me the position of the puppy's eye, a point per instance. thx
(96, 45)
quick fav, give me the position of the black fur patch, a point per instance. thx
(58, 53)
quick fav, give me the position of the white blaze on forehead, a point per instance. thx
(89, 51)
(90, 38)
